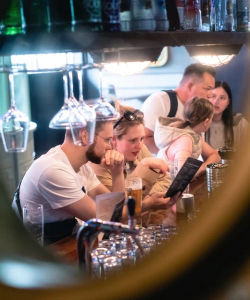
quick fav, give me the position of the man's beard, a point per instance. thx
(92, 156)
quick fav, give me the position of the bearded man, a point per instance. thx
(61, 181)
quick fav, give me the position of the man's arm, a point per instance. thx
(84, 209)
(149, 141)
(114, 161)
(110, 173)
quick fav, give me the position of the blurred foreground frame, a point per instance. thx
(210, 258)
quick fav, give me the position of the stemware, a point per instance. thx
(14, 124)
(67, 113)
(104, 110)
(86, 112)
(70, 116)
(61, 118)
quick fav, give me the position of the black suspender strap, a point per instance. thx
(17, 200)
(173, 103)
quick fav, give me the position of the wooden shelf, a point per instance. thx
(87, 41)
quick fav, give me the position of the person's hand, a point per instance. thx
(200, 172)
(114, 161)
(155, 200)
(156, 163)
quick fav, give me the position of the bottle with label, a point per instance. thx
(86, 15)
(205, 15)
(13, 20)
(192, 15)
(242, 11)
(160, 15)
(111, 15)
(125, 15)
(36, 15)
(142, 15)
(229, 19)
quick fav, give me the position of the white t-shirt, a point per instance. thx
(52, 181)
(158, 105)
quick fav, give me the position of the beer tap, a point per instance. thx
(132, 221)
(131, 212)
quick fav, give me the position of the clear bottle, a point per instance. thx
(111, 15)
(220, 15)
(192, 15)
(180, 4)
(86, 15)
(205, 14)
(229, 19)
(13, 20)
(125, 15)
(217, 15)
(160, 15)
(142, 15)
(212, 16)
(242, 11)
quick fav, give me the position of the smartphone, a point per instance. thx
(184, 176)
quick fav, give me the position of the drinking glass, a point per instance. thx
(68, 112)
(185, 207)
(33, 220)
(86, 111)
(61, 118)
(133, 186)
(215, 174)
(111, 265)
(104, 110)
(14, 125)
(80, 121)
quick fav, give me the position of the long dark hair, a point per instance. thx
(227, 116)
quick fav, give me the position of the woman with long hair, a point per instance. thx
(128, 139)
(227, 128)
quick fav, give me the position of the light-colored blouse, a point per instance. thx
(216, 132)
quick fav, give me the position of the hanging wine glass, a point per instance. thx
(14, 124)
(62, 118)
(80, 122)
(104, 110)
(85, 110)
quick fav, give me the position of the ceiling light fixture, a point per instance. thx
(126, 68)
(214, 60)
(214, 55)
(130, 61)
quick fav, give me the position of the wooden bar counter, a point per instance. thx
(66, 248)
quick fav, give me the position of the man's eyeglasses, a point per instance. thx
(108, 140)
(130, 116)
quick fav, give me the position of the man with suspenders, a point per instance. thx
(197, 81)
